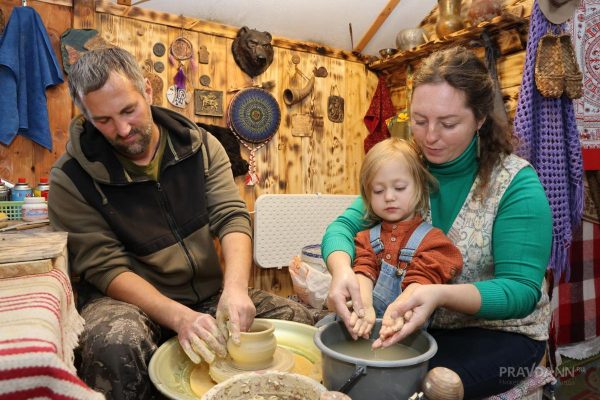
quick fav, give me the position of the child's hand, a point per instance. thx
(390, 325)
(362, 326)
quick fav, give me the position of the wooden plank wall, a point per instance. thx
(327, 161)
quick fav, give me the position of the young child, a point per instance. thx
(401, 249)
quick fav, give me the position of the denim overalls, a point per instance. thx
(389, 283)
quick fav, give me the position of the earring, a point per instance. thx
(478, 144)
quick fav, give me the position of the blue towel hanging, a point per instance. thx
(28, 66)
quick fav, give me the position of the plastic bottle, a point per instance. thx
(4, 192)
(34, 209)
(42, 188)
(21, 190)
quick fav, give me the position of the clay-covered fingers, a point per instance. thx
(363, 328)
(222, 325)
(387, 325)
(235, 313)
(397, 324)
(216, 342)
(200, 347)
(351, 322)
(192, 355)
(197, 349)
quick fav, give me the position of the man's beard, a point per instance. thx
(139, 146)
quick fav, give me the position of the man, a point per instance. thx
(142, 191)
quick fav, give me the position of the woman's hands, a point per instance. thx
(344, 292)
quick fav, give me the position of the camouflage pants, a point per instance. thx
(119, 340)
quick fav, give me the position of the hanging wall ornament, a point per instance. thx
(205, 80)
(292, 96)
(335, 105)
(181, 50)
(203, 55)
(157, 88)
(254, 116)
(155, 82)
(159, 66)
(177, 96)
(252, 51)
(208, 102)
(75, 42)
(159, 49)
(320, 72)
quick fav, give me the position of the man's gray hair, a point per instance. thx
(93, 69)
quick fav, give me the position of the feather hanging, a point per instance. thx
(180, 78)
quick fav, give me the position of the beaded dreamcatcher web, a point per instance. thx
(253, 116)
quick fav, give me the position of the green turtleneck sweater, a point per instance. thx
(521, 237)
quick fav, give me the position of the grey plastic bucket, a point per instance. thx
(369, 379)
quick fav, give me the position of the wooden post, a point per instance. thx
(387, 10)
(84, 14)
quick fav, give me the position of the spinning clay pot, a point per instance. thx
(256, 348)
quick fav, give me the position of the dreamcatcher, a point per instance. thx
(253, 116)
(180, 51)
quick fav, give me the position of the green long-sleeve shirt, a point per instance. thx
(521, 237)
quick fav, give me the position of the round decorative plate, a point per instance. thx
(159, 66)
(205, 80)
(254, 115)
(170, 368)
(158, 49)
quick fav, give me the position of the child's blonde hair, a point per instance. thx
(389, 150)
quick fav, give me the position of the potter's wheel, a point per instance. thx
(224, 368)
(173, 373)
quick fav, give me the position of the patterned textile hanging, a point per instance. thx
(548, 139)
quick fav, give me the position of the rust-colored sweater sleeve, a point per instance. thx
(365, 261)
(437, 260)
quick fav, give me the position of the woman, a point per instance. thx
(491, 323)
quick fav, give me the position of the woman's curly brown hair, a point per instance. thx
(464, 71)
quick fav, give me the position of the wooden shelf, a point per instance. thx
(493, 26)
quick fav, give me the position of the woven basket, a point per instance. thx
(573, 76)
(549, 72)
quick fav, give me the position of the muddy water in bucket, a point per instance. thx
(394, 374)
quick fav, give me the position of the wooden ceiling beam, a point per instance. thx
(387, 10)
(124, 2)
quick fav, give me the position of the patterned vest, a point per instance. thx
(471, 232)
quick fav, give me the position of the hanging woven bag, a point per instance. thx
(549, 72)
(573, 76)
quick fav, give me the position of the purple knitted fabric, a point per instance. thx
(549, 140)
